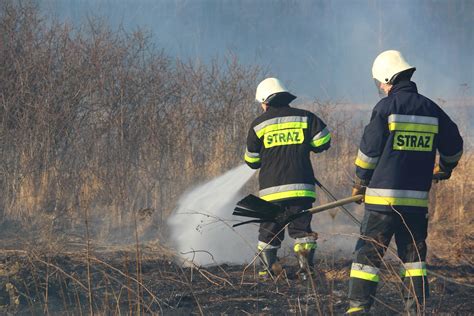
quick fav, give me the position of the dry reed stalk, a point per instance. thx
(188, 283)
(46, 291)
(88, 266)
(130, 279)
(138, 266)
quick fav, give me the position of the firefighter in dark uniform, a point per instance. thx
(279, 142)
(395, 167)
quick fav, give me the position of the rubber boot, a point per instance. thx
(306, 263)
(268, 257)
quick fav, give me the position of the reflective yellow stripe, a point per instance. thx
(262, 273)
(251, 159)
(275, 127)
(415, 273)
(354, 309)
(365, 165)
(321, 141)
(383, 200)
(365, 161)
(304, 246)
(413, 127)
(364, 275)
(288, 194)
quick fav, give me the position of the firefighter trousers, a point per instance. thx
(273, 233)
(377, 229)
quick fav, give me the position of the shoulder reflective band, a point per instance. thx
(283, 137)
(413, 123)
(279, 123)
(364, 272)
(286, 191)
(396, 197)
(414, 269)
(321, 138)
(451, 159)
(413, 141)
(365, 161)
(251, 157)
(304, 246)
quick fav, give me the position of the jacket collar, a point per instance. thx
(276, 107)
(405, 86)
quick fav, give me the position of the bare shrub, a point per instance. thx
(102, 118)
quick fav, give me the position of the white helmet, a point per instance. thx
(388, 64)
(270, 87)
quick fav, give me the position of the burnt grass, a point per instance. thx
(61, 284)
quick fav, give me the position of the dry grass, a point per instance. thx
(452, 215)
(51, 284)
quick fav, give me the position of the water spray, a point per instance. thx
(201, 225)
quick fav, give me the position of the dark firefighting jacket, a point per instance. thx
(398, 149)
(279, 142)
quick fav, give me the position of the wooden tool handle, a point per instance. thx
(324, 207)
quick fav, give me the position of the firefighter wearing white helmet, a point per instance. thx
(395, 166)
(389, 64)
(268, 87)
(279, 143)
(388, 68)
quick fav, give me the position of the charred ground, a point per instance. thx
(113, 282)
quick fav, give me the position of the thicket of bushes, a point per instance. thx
(100, 122)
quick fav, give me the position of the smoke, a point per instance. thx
(322, 49)
(201, 225)
(337, 234)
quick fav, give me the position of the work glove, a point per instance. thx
(358, 189)
(440, 173)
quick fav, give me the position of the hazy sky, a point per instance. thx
(322, 49)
